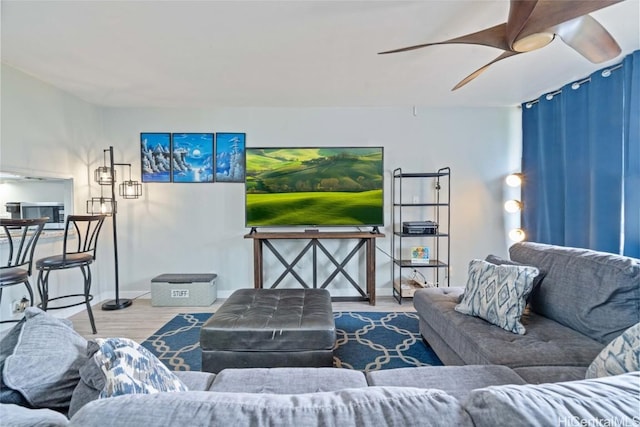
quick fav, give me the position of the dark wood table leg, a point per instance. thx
(371, 271)
(257, 263)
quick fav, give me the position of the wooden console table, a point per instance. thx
(365, 239)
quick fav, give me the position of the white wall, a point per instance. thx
(46, 133)
(200, 227)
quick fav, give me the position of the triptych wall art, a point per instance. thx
(192, 157)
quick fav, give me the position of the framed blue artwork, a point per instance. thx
(230, 153)
(192, 157)
(155, 156)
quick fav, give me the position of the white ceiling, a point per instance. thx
(284, 53)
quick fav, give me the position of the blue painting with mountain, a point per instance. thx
(155, 156)
(230, 151)
(192, 157)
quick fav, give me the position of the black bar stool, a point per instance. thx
(85, 229)
(22, 236)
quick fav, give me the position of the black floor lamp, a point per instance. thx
(106, 176)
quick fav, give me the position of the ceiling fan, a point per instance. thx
(533, 24)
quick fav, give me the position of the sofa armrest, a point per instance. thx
(349, 407)
(19, 416)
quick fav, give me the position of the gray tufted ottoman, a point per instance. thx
(266, 328)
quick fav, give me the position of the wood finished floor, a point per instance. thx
(141, 319)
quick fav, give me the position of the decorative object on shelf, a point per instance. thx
(106, 176)
(420, 255)
(411, 201)
(192, 155)
(155, 156)
(230, 155)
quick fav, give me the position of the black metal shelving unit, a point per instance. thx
(425, 205)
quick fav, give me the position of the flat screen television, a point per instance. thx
(314, 186)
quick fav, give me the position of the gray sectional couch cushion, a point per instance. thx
(45, 363)
(494, 259)
(7, 344)
(477, 342)
(603, 401)
(457, 381)
(287, 380)
(550, 374)
(370, 406)
(595, 293)
(195, 380)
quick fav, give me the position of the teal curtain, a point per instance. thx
(581, 162)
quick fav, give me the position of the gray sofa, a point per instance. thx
(506, 379)
(581, 301)
(338, 397)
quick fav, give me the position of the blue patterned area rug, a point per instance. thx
(366, 341)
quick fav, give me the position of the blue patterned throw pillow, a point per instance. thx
(130, 368)
(498, 293)
(620, 356)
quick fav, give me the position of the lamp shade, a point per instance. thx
(104, 175)
(130, 189)
(101, 205)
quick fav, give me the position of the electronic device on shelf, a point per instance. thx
(420, 227)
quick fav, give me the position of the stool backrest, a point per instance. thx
(86, 229)
(22, 236)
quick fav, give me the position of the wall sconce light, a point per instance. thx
(513, 206)
(517, 235)
(106, 175)
(514, 180)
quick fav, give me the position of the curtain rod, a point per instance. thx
(575, 85)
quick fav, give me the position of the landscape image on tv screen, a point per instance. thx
(314, 186)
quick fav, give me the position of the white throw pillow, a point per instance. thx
(498, 293)
(129, 368)
(620, 356)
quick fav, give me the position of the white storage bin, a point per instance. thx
(180, 290)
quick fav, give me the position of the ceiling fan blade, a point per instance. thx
(493, 37)
(589, 38)
(482, 69)
(528, 17)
